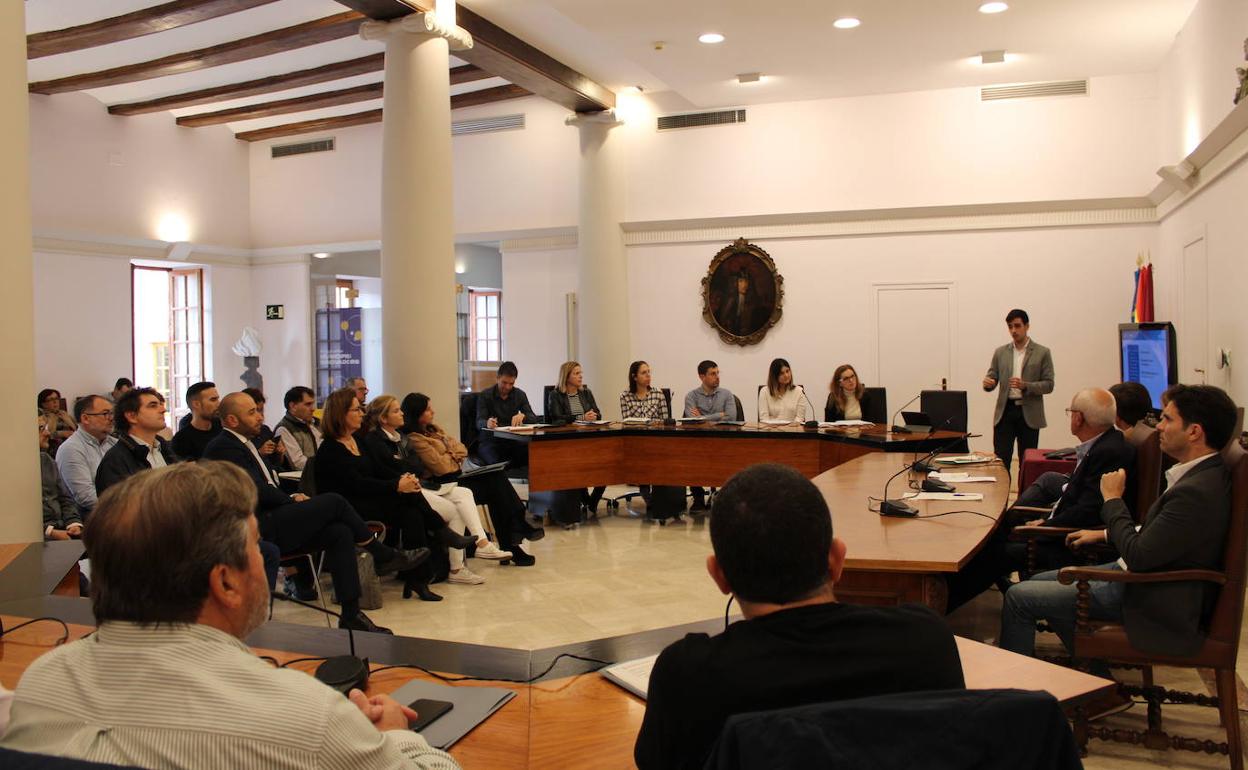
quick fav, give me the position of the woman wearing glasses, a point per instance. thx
(849, 400)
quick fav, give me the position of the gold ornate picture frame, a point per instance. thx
(742, 293)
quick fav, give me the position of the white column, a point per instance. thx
(417, 220)
(602, 278)
(21, 519)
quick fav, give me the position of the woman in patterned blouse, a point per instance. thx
(641, 400)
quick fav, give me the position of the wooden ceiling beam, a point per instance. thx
(472, 98)
(362, 93)
(498, 51)
(142, 22)
(265, 44)
(266, 85)
(463, 74)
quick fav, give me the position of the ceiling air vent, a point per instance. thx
(487, 125)
(1032, 90)
(700, 119)
(302, 148)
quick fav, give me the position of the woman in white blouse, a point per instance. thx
(781, 399)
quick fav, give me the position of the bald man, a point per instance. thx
(1074, 502)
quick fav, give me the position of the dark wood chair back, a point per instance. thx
(878, 398)
(1147, 474)
(1228, 610)
(947, 410)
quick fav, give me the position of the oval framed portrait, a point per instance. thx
(742, 293)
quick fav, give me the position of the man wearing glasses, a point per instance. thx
(79, 456)
(1072, 501)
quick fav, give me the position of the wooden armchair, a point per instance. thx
(1148, 462)
(1108, 641)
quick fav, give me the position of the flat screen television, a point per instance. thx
(1149, 356)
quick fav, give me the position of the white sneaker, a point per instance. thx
(491, 551)
(466, 577)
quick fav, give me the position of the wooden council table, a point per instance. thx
(583, 720)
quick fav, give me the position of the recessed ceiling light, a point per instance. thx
(992, 57)
(849, 22)
(993, 7)
(711, 38)
(749, 77)
(321, 254)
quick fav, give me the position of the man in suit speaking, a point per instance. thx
(1028, 371)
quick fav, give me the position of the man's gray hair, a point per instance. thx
(1097, 406)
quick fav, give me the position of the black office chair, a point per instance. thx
(952, 729)
(878, 411)
(947, 410)
(468, 432)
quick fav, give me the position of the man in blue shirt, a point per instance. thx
(79, 456)
(713, 403)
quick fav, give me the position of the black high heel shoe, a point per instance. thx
(449, 539)
(421, 590)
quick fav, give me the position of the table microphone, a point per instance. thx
(900, 428)
(341, 672)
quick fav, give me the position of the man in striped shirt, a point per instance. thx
(177, 584)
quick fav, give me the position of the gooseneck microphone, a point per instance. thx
(901, 507)
(341, 672)
(895, 428)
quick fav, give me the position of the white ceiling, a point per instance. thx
(902, 45)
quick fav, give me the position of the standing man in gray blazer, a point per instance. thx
(1027, 369)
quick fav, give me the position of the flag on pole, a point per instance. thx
(1135, 296)
(1144, 301)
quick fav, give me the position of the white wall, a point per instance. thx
(96, 173)
(897, 150)
(1217, 214)
(1197, 78)
(510, 180)
(535, 285)
(82, 323)
(286, 359)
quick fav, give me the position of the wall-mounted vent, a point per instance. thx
(487, 125)
(302, 148)
(1032, 90)
(700, 119)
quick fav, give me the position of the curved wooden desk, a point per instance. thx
(697, 454)
(893, 560)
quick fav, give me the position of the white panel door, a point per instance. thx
(1194, 331)
(914, 343)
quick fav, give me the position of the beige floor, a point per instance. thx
(619, 575)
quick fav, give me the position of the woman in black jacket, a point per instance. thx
(342, 467)
(569, 402)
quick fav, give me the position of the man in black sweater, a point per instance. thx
(506, 406)
(771, 532)
(200, 425)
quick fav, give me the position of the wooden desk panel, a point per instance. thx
(696, 455)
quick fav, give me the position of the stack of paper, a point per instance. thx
(845, 424)
(632, 675)
(959, 478)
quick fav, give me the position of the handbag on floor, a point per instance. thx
(370, 584)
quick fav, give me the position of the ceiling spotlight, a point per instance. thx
(992, 57)
(849, 22)
(993, 7)
(749, 77)
(321, 254)
(632, 89)
(711, 38)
